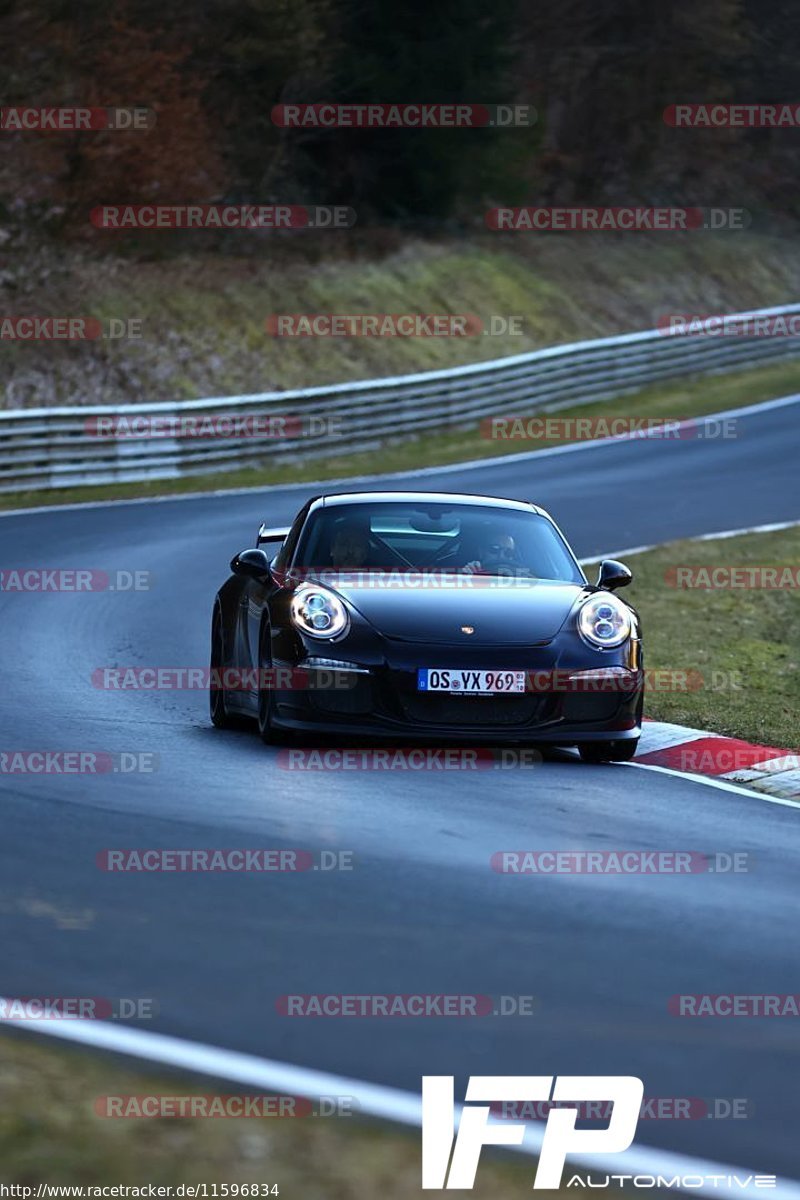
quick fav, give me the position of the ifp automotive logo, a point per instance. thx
(475, 1130)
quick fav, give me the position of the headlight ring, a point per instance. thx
(318, 612)
(604, 622)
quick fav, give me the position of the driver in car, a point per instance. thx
(350, 546)
(494, 550)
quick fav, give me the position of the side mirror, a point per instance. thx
(254, 564)
(613, 575)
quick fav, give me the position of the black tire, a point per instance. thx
(597, 752)
(269, 735)
(221, 718)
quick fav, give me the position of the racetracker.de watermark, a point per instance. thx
(160, 1106)
(78, 762)
(392, 325)
(372, 115)
(654, 1108)
(63, 119)
(218, 860)
(73, 580)
(729, 1004)
(715, 756)
(405, 1005)
(212, 425)
(69, 329)
(413, 579)
(577, 429)
(619, 679)
(77, 1008)
(421, 759)
(620, 862)
(732, 116)
(729, 324)
(633, 219)
(734, 577)
(227, 679)
(222, 216)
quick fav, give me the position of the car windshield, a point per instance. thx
(436, 537)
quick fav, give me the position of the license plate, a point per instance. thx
(469, 683)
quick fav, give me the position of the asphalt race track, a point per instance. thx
(421, 911)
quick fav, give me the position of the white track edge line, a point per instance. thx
(773, 527)
(724, 785)
(374, 1100)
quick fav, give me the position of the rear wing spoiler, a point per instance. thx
(270, 535)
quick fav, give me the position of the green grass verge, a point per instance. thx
(50, 1133)
(693, 397)
(743, 640)
(203, 312)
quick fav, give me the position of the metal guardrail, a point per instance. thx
(56, 447)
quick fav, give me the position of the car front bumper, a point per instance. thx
(562, 706)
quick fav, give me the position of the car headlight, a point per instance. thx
(604, 621)
(318, 612)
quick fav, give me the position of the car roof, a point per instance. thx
(341, 499)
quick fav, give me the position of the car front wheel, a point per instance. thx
(266, 700)
(218, 706)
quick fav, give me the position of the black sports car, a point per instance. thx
(429, 615)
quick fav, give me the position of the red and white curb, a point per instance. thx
(766, 769)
